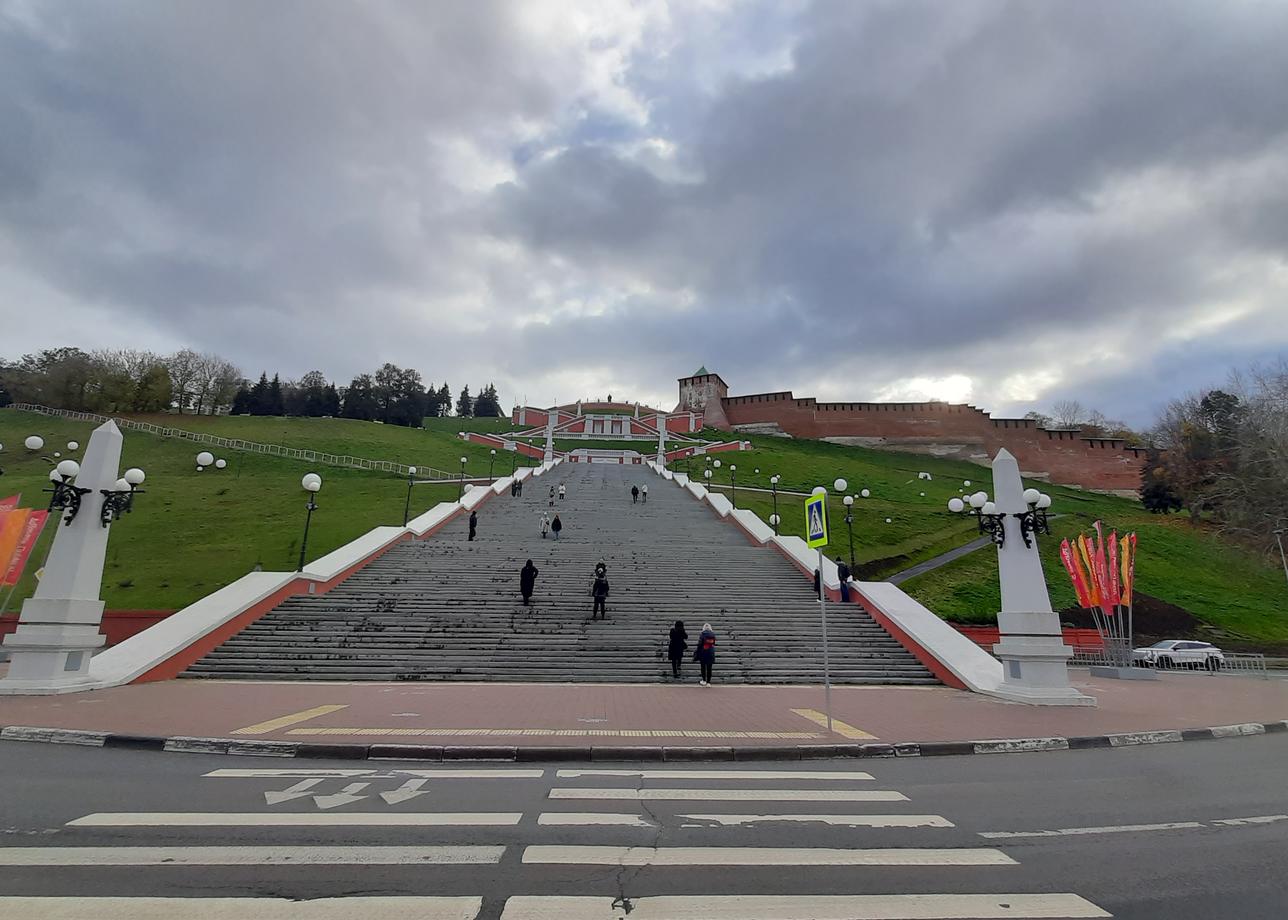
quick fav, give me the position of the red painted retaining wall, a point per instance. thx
(118, 625)
(988, 636)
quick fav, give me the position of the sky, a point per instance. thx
(1003, 203)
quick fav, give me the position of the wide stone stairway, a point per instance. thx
(449, 609)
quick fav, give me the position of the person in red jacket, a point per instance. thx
(705, 654)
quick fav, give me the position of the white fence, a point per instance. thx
(276, 450)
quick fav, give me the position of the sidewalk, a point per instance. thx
(628, 714)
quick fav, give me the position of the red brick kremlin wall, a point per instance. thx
(941, 429)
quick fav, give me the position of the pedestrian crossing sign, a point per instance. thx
(816, 520)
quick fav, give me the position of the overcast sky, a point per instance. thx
(995, 202)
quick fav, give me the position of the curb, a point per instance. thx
(181, 744)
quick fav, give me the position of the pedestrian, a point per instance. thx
(563, 490)
(514, 488)
(635, 494)
(555, 526)
(675, 648)
(843, 575)
(599, 591)
(705, 654)
(552, 496)
(474, 524)
(818, 580)
(527, 581)
(644, 493)
(519, 484)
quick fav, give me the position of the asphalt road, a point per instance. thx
(1130, 833)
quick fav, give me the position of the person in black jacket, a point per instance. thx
(843, 574)
(527, 581)
(705, 654)
(599, 591)
(556, 526)
(676, 646)
(635, 494)
(474, 524)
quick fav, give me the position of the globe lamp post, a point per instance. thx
(311, 483)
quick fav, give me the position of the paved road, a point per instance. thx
(1037, 835)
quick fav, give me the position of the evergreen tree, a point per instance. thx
(276, 400)
(330, 401)
(444, 400)
(465, 405)
(242, 400)
(487, 405)
(259, 396)
(1158, 492)
(360, 399)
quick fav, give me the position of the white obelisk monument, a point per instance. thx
(661, 440)
(58, 629)
(550, 437)
(1035, 660)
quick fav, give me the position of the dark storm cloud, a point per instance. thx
(828, 195)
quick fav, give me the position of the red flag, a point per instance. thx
(1102, 574)
(1129, 567)
(31, 531)
(1115, 587)
(8, 504)
(1074, 567)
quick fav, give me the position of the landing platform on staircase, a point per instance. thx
(549, 714)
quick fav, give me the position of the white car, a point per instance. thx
(1179, 653)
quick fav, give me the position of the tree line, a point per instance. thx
(126, 380)
(1223, 457)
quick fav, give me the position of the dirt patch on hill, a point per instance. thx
(1156, 619)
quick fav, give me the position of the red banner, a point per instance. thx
(11, 524)
(8, 504)
(1074, 567)
(1115, 587)
(27, 538)
(1129, 567)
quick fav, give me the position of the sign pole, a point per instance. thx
(827, 671)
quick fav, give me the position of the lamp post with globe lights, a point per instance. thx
(849, 525)
(411, 481)
(462, 492)
(774, 518)
(120, 499)
(491, 462)
(733, 483)
(312, 484)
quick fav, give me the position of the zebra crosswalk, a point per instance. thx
(536, 844)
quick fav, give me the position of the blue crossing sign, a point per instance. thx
(816, 520)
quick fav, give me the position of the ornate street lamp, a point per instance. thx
(773, 521)
(849, 525)
(1032, 521)
(773, 518)
(491, 463)
(311, 483)
(411, 481)
(461, 494)
(65, 497)
(120, 500)
(733, 483)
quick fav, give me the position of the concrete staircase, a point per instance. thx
(448, 609)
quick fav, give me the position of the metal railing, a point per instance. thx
(275, 450)
(1240, 664)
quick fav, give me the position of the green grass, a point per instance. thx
(193, 532)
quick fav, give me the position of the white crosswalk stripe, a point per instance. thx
(311, 819)
(763, 856)
(835, 776)
(809, 907)
(249, 856)
(368, 908)
(734, 795)
(837, 820)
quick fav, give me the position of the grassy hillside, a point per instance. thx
(194, 531)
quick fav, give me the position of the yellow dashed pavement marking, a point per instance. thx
(562, 733)
(295, 718)
(838, 727)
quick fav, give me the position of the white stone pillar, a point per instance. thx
(550, 438)
(1031, 647)
(58, 629)
(661, 439)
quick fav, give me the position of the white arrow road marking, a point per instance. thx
(807, 907)
(298, 791)
(395, 908)
(407, 791)
(297, 819)
(763, 856)
(249, 856)
(345, 796)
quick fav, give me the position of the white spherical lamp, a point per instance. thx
(57, 453)
(819, 490)
(54, 477)
(1044, 501)
(865, 493)
(840, 485)
(774, 480)
(848, 500)
(717, 464)
(135, 476)
(35, 442)
(122, 485)
(469, 487)
(966, 483)
(68, 469)
(411, 471)
(774, 519)
(922, 494)
(989, 508)
(1031, 496)
(221, 463)
(889, 521)
(311, 482)
(977, 500)
(73, 445)
(205, 458)
(956, 505)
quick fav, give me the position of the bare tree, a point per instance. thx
(185, 368)
(1068, 413)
